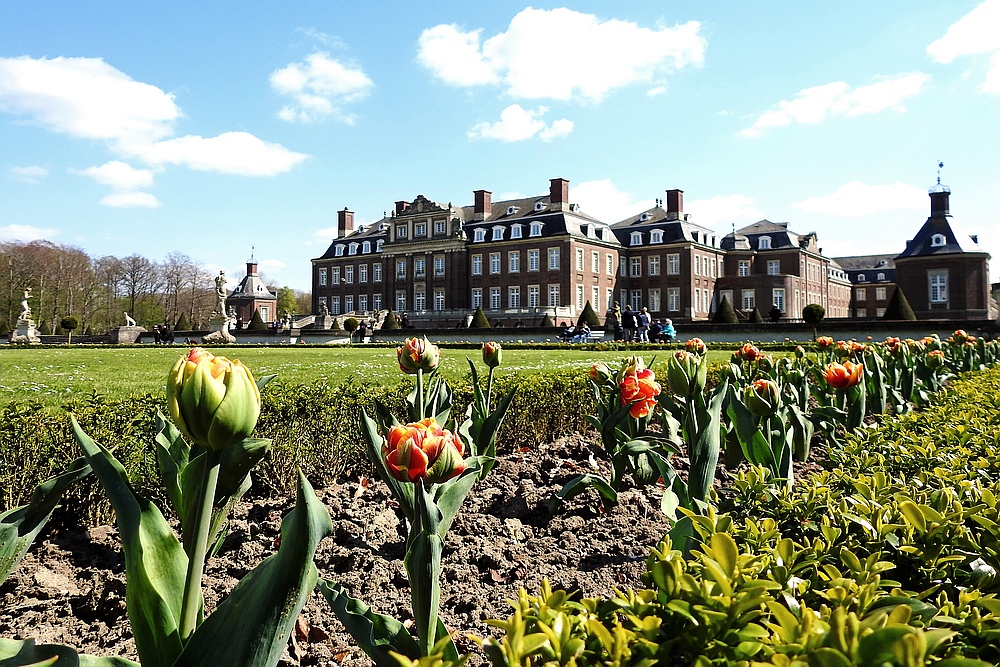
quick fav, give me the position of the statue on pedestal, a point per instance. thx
(25, 331)
(129, 322)
(25, 308)
(220, 294)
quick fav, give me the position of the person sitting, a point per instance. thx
(668, 333)
(568, 333)
(582, 334)
(654, 331)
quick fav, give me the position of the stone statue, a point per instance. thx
(25, 308)
(129, 322)
(323, 310)
(220, 293)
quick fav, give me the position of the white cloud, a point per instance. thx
(130, 200)
(733, 209)
(236, 153)
(118, 175)
(32, 174)
(976, 33)
(518, 124)
(89, 99)
(320, 86)
(604, 201)
(816, 104)
(26, 233)
(658, 90)
(855, 200)
(273, 264)
(560, 54)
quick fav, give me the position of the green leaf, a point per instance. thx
(581, 483)
(911, 512)
(264, 379)
(828, 657)
(20, 525)
(155, 563)
(725, 552)
(15, 653)
(376, 634)
(252, 626)
(450, 496)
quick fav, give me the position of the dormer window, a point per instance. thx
(360, 229)
(643, 217)
(861, 277)
(764, 243)
(497, 234)
(536, 229)
(600, 233)
(378, 245)
(352, 249)
(515, 231)
(340, 251)
(479, 235)
(880, 276)
(400, 231)
(636, 238)
(511, 210)
(539, 206)
(366, 246)
(656, 236)
(938, 240)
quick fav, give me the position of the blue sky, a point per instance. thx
(208, 128)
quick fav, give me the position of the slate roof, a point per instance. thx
(674, 230)
(372, 232)
(779, 233)
(955, 240)
(870, 262)
(526, 210)
(252, 287)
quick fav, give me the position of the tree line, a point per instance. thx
(98, 291)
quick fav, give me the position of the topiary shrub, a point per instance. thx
(4, 328)
(899, 308)
(725, 314)
(755, 316)
(257, 322)
(351, 325)
(44, 329)
(69, 324)
(390, 321)
(589, 316)
(183, 323)
(547, 321)
(479, 320)
(813, 314)
(335, 326)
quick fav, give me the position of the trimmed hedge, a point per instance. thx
(315, 428)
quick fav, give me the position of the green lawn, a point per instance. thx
(52, 375)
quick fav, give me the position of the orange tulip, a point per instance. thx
(842, 376)
(641, 389)
(423, 450)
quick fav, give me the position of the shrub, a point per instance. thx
(547, 321)
(813, 314)
(4, 328)
(590, 317)
(256, 322)
(351, 324)
(183, 323)
(755, 316)
(390, 321)
(479, 320)
(898, 307)
(725, 314)
(44, 329)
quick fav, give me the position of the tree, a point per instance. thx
(351, 325)
(755, 316)
(256, 322)
(43, 329)
(899, 308)
(813, 314)
(69, 324)
(390, 321)
(183, 323)
(725, 314)
(4, 328)
(479, 320)
(303, 302)
(336, 325)
(547, 321)
(287, 304)
(589, 316)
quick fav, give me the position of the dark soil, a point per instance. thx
(70, 589)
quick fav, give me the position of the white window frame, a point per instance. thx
(595, 261)
(635, 267)
(533, 260)
(494, 263)
(773, 267)
(514, 261)
(513, 296)
(377, 272)
(477, 265)
(764, 243)
(479, 234)
(515, 231)
(554, 259)
(533, 296)
(419, 269)
(536, 229)
(477, 297)
(674, 299)
(497, 233)
(653, 265)
(438, 298)
(937, 286)
(322, 277)
(653, 299)
(635, 238)
(419, 299)
(363, 273)
(553, 295)
(656, 236)
(744, 268)
(439, 266)
(579, 259)
(880, 294)
(673, 264)
(495, 302)
(748, 298)
(778, 298)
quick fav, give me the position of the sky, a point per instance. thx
(228, 128)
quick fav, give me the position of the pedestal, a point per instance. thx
(323, 322)
(126, 335)
(220, 330)
(25, 333)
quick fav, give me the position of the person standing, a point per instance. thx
(630, 323)
(644, 325)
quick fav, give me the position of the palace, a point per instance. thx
(526, 258)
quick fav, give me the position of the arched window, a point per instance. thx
(536, 229)
(539, 206)
(938, 240)
(366, 246)
(764, 243)
(656, 236)
(515, 231)
(636, 238)
(479, 235)
(861, 277)
(880, 276)
(498, 233)
(340, 251)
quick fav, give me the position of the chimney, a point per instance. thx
(401, 206)
(675, 204)
(251, 267)
(484, 205)
(345, 222)
(939, 200)
(559, 194)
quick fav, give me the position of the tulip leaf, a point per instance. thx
(450, 496)
(376, 634)
(264, 379)
(20, 525)
(155, 563)
(251, 626)
(704, 447)
(579, 484)
(17, 653)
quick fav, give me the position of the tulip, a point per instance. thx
(418, 354)
(492, 354)
(600, 374)
(843, 376)
(696, 346)
(640, 389)
(765, 363)
(748, 352)
(824, 342)
(935, 358)
(423, 450)
(686, 373)
(212, 400)
(762, 397)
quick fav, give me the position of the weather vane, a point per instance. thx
(940, 167)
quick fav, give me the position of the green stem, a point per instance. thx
(192, 601)
(423, 568)
(489, 393)
(420, 393)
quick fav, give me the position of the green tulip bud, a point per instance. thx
(686, 373)
(761, 397)
(492, 354)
